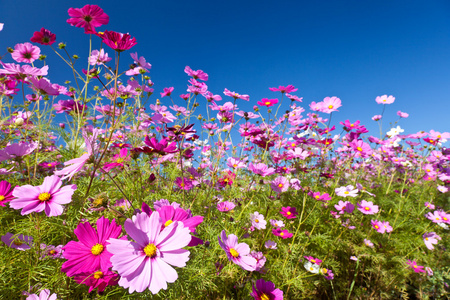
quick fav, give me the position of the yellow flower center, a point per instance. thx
(264, 297)
(235, 165)
(280, 185)
(376, 227)
(150, 250)
(289, 213)
(346, 192)
(44, 197)
(256, 221)
(426, 239)
(317, 197)
(168, 223)
(330, 106)
(267, 103)
(49, 165)
(367, 208)
(324, 271)
(281, 233)
(98, 274)
(234, 253)
(97, 249)
(2, 197)
(52, 252)
(359, 149)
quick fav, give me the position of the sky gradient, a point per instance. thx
(355, 50)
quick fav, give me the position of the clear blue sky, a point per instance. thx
(355, 50)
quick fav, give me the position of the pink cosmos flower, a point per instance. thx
(430, 238)
(5, 192)
(258, 221)
(280, 184)
(346, 191)
(277, 223)
(47, 197)
(17, 150)
(330, 104)
(261, 169)
(22, 70)
(184, 183)
(265, 290)
(344, 206)
(284, 234)
(415, 267)
(289, 212)
(78, 163)
(90, 254)
(327, 273)
(51, 251)
(43, 86)
(167, 92)
(88, 17)
(236, 95)
(402, 114)
(237, 253)
(377, 117)
(118, 41)
(17, 241)
(284, 89)
(367, 207)
(199, 74)
(145, 262)
(435, 216)
(270, 245)
(267, 102)
(43, 295)
(429, 205)
(99, 279)
(142, 65)
(260, 260)
(25, 53)
(313, 260)
(99, 57)
(316, 195)
(377, 225)
(43, 37)
(385, 99)
(225, 206)
(368, 243)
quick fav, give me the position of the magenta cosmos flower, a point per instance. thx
(17, 150)
(17, 241)
(99, 280)
(225, 206)
(284, 89)
(267, 102)
(89, 254)
(118, 41)
(88, 17)
(199, 74)
(43, 295)
(237, 253)
(415, 267)
(47, 197)
(289, 212)
(284, 234)
(265, 290)
(367, 207)
(145, 263)
(25, 53)
(280, 184)
(5, 192)
(43, 37)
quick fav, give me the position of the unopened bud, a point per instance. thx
(19, 121)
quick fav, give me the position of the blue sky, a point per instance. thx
(355, 50)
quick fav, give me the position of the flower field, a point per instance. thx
(114, 188)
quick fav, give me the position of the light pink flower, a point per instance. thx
(346, 191)
(237, 253)
(385, 99)
(430, 238)
(367, 207)
(43, 295)
(25, 53)
(47, 197)
(145, 263)
(258, 220)
(17, 150)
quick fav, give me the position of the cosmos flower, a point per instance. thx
(327, 273)
(289, 212)
(99, 279)
(368, 243)
(43, 295)
(5, 192)
(367, 207)
(17, 150)
(89, 254)
(415, 267)
(118, 41)
(237, 253)
(284, 89)
(385, 99)
(267, 102)
(280, 184)
(225, 206)
(236, 95)
(17, 241)
(199, 74)
(430, 238)
(43, 37)
(145, 262)
(51, 251)
(284, 234)
(346, 191)
(265, 290)
(311, 267)
(258, 220)
(270, 244)
(99, 57)
(25, 53)
(88, 17)
(47, 197)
